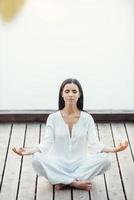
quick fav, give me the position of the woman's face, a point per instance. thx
(70, 93)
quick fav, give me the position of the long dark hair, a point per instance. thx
(81, 98)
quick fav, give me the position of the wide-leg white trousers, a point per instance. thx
(56, 171)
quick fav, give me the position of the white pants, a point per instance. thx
(57, 172)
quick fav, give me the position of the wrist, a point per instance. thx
(114, 150)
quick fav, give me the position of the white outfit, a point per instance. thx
(64, 158)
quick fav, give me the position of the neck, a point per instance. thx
(70, 109)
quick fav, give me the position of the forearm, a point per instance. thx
(109, 150)
(31, 151)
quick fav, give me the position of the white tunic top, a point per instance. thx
(59, 145)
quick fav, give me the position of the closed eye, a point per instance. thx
(74, 91)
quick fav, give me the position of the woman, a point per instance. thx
(62, 158)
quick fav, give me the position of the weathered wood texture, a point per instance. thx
(41, 115)
(18, 180)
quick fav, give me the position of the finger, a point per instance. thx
(14, 150)
(119, 145)
(125, 145)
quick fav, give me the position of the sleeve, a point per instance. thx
(93, 141)
(48, 141)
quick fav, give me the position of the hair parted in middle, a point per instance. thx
(81, 98)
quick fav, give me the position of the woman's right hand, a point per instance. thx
(20, 151)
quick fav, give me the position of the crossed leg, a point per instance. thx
(83, 185)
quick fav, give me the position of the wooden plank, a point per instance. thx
(64, 194)
(98, 191)
(4, 144)
(125, 161)
(112, 176)
(41, 115)
(11, 176)
(28, 175)
(130, 133)
(80, 194)
(44, 189)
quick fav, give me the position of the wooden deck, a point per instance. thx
(19, 181)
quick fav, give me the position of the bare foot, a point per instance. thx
(59, 186)
(83, 185)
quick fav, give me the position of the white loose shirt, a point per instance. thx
(59, 145)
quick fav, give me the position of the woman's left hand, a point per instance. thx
(121, 147)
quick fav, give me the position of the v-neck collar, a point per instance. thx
(74, 125)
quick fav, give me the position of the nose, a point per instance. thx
(70, 93)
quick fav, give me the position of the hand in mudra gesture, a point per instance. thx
(121, 146)
(20, 151)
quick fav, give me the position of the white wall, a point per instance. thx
(50, 40)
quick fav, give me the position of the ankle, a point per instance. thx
(73, 183)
